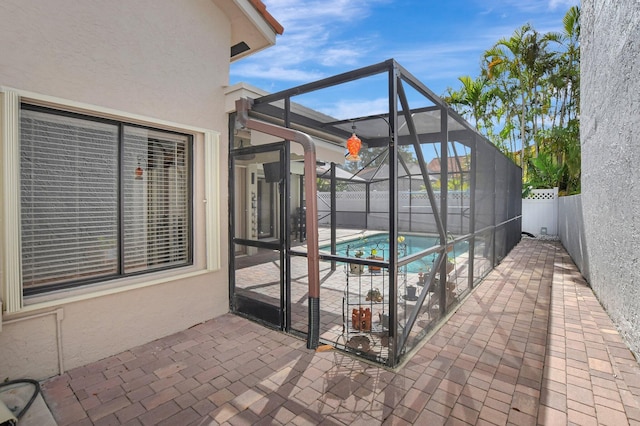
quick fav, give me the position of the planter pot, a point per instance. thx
(384, 320)
(411, 292)
(375, 268)
(450, 267)
(356, 269)
(361, 319)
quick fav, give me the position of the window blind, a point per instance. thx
(69, 192)
(157, 207)
(85, 215)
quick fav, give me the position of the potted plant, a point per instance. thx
(422, 278)
(374, 295)
(451, 265)
(374, 256)
(450, 238)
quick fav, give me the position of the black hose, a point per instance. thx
(33, 397)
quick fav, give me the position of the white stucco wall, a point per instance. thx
(158, 58)
(162, 59)
(609, 122)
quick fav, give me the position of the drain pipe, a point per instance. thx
(313, 263)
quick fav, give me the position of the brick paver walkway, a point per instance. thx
(530, 346)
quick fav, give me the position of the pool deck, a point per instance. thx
(530, 345)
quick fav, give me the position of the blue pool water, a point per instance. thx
(379, 244)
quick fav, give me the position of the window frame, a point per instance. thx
(121, 125)
(205, 204)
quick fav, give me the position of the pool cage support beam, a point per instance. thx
(393, 218)
(472, 210)
(243, 106)
(285, 223)
(333, 213)
(440, 263)
(367, 201)
(444, 205)
(300, 203)
(421, 161)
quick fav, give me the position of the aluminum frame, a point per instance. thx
(494, 181)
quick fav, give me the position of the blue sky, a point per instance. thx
(436, 40)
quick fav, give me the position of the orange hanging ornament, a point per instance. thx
(353, 145)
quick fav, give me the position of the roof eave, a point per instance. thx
(253, 28)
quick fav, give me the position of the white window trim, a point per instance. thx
(10, 262)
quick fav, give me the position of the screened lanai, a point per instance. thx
(406, 227)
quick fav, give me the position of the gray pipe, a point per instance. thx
(243, 106)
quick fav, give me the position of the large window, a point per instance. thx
(100, 199)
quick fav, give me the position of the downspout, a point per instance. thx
(313, 263)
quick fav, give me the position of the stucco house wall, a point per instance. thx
(609, 122)
(158, 62)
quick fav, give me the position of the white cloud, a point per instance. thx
(315, 36)
(323, 38)
(344, 109)
(275, 72)
(291, 13)
(532, 7)
(333, 56)
(554, 4)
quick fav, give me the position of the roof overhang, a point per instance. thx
(252, 27)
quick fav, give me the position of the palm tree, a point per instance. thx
(528, 91)
(562, 140)
(505, 66)
(519, 64)
(569, 69)
(475, 97)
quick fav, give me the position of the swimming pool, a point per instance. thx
(378, 245)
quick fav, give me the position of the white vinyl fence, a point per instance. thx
(414, 210)
(540, 212)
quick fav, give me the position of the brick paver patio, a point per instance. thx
(531, 345)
